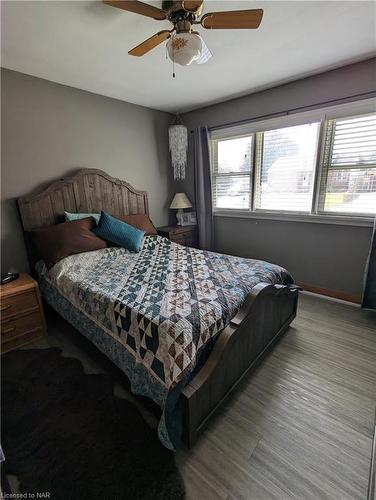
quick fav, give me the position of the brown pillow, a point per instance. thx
(61, 240)
(141, 221)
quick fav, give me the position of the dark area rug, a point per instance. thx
(64, 432)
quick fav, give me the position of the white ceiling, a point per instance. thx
(85, 45)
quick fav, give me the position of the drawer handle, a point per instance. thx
(4, 308)
(8, 330)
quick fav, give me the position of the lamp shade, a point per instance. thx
(180, 201)
(184, 48)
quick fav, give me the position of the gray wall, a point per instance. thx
(321, 255)
(50, 130)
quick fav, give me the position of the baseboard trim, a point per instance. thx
(335, 294)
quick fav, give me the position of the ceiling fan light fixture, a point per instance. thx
(184, 48)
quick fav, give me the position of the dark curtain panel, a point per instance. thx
(369, 291)
(202, 182)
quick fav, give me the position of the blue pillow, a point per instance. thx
(116, 231)
(69, 217)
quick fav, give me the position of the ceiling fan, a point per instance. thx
(185, 46)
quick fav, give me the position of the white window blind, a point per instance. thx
(314, 162)
(349, 166)
(286, 170)
(231, 172)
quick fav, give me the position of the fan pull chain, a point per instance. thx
(173, 56)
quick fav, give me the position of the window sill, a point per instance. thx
(341, 220)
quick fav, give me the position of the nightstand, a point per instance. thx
(184, 235)
(22, 318)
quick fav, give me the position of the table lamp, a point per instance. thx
(180, 202)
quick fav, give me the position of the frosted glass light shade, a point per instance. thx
(180, 200)
(184, 48)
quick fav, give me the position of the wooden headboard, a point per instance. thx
(89, 190)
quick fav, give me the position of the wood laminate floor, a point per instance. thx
(301, 425)
(298, 427)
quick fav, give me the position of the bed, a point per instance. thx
(184, 325)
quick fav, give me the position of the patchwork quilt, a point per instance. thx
(162, 305)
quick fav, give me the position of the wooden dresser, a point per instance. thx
(22, 318)
(184, 235)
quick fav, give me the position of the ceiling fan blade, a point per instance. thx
(138, 8)
(235, 19)
(192, 6)
(150, 43)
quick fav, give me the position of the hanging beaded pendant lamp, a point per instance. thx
(178, 143)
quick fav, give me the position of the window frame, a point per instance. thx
(258, 127)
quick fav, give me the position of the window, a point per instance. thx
(349, 166)
(319, 162)
(287, 168)
(231, 176)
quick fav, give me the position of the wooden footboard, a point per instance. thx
(264, 317)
